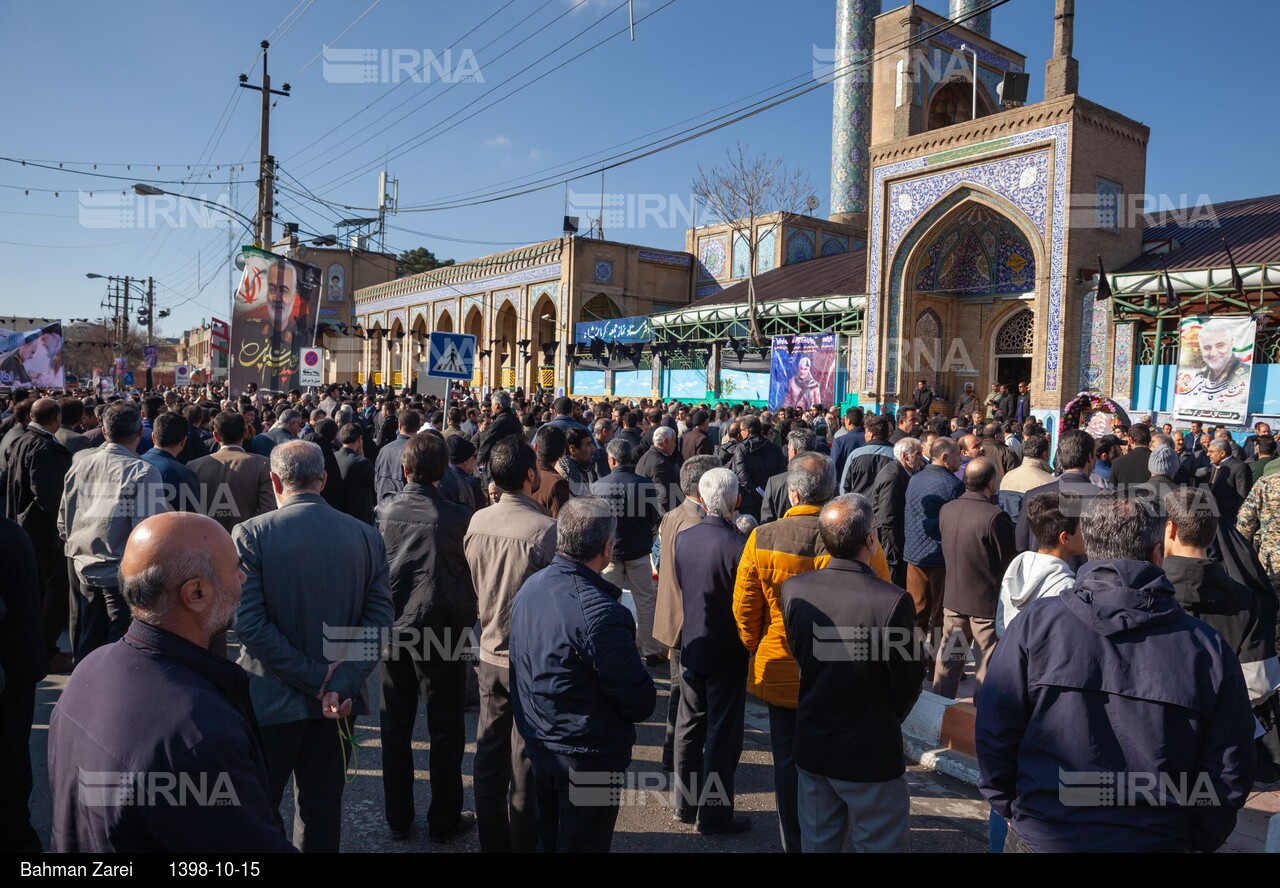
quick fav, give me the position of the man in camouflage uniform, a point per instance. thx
(1259, 522)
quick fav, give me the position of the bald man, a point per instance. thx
(153, 746)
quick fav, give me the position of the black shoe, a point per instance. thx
(400, 834)
(466, 820)
(687, 817)
(739, 823)
(654, 660)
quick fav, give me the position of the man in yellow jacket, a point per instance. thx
(775, 552)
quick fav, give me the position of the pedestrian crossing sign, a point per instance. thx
(451, 355)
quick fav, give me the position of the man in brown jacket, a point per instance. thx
(552, 490)
(668, 614)
(697, 441)
(516, 539)
(234, 485)
(977, 544)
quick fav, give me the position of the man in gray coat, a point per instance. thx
(311, 629)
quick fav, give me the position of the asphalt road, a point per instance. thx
(946, 816)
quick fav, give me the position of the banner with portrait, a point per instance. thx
(802, 375)
(32, 355)
(274, 317)
(1215, 365)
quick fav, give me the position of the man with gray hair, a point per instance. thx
(503, 422)
(1113, 677)
(713, 660)
(888, 497)
(109, 491)
(287, 428)
(1229, 479)
(171, 709)
(634, 501)
(659, 466)
(579, 686)
(668, 613)
(302, 624)
(851, 708)
(775, 502)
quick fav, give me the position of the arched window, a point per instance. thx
(1016, 337)
(926, 347)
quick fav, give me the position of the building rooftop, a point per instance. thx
(844, 274)
(1192, 238)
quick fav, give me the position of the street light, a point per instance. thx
(145, 190)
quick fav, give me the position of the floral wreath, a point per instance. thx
(1085, 404)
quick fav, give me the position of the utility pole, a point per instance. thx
(266, 163)
(151, 322)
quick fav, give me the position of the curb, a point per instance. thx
(938, 734)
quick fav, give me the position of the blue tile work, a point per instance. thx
(851, 107)
(980, 24)
(712, 256)
(1110, 202)
(603, 271)
(1043, 202)
(799, 245)
(832, 244)
(767, 252)
(741, 256)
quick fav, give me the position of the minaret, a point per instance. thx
(1062, 72)
(979, 24)
(851, 114)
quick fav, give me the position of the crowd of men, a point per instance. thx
(1119, 607)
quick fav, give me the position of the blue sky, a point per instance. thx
(143, 82)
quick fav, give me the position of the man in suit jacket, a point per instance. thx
(977, 543)
(1132, 467)
(234, 486)
(714, 691)
(287, 428)
(848, 746)
(359, 495)
(697, 441)
(1229, 480)
(1075, 456)
(658, 466)
(303, 622)
(888, 498)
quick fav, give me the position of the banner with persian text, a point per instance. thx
(275, 315)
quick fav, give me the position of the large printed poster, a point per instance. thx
(1215, 361)
(805, 376)
(276, 310)
(32, 356)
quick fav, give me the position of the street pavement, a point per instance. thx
(946, 815)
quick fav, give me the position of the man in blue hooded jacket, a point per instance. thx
(1111, 719)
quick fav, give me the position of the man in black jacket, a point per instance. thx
(889, 500)
(36, 474)
(851, 708)
(923, 397)
(359, 494)
(658, 466)
(633, 499)
(158, 706)
(24, 663)
(1132, 467)
(755, 461)
(1245, 620)
(865, 463)
(776, 501)
(503, 423)
(1229, 480)
(435, 609)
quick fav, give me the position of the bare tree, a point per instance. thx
(741, 191)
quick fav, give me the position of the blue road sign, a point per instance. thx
(128, 377)
(451, 356)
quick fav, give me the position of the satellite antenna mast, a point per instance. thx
(387, 200)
